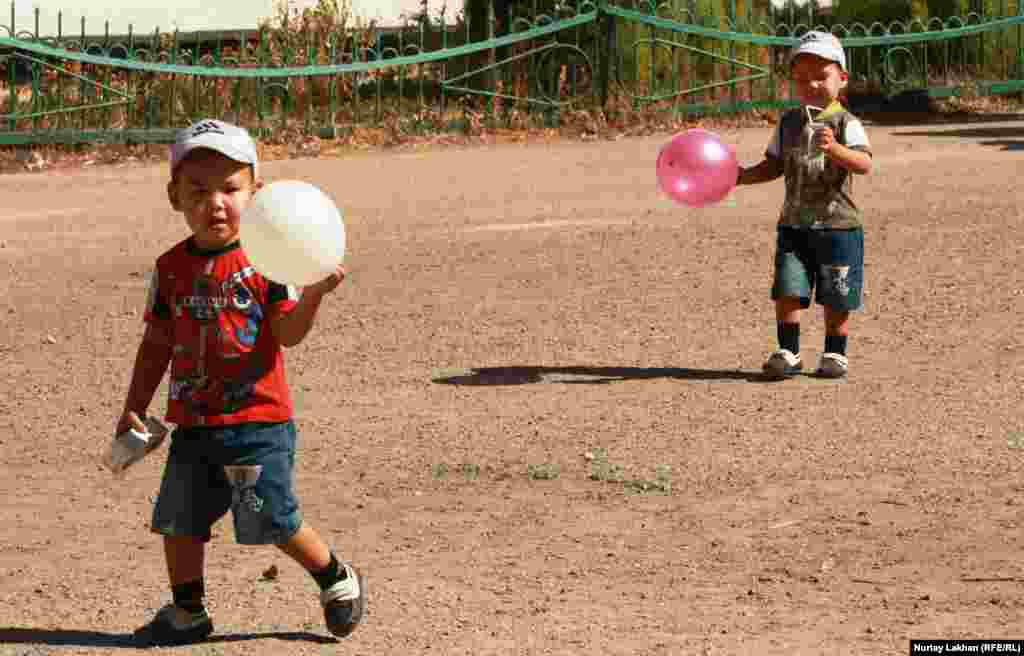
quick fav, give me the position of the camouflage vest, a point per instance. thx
(819, 194)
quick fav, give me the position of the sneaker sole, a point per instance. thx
(776, 373)
(146, 636)
(358, 613)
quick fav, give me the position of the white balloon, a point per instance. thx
(293, 233)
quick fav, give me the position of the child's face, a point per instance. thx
(817, 81)
(212, 191)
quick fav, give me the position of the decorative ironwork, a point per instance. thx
(78, 88)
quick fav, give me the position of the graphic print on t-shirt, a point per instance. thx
(224, 369)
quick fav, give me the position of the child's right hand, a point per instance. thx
(129, 420)
(824, 139)
(328, 284)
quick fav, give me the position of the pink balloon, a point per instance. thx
(695, 168)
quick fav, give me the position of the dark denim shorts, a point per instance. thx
(828, 262)
(245, 468)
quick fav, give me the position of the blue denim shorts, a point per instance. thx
(246, 468)
(828, 262)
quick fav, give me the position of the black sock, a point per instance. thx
(331, 574)
(835, 344)
(789, 336)
(189, 596)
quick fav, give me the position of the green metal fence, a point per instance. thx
(728, 62)
(525, 65)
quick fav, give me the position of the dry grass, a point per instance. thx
(464, 127)
(467, 127)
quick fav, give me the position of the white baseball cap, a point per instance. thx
(227, 139)
(822, 44)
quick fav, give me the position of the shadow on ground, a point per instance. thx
(1006, 144)
(897, 119)
(915, 108)
(1007, 138)
(77, 638)
(1003, 132)
(524, 375)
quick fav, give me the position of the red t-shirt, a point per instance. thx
(227, 367)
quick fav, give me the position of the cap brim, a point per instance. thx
(211, 143)
(818, 50)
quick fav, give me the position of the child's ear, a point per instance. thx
(844, 79)
(172, 195)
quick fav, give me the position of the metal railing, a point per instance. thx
(431, 74)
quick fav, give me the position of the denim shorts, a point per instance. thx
(245, 468)
(828, 262)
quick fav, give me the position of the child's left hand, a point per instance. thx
(824, 139)
(328, 284)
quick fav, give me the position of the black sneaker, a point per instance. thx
(175, 626)
(345, 603)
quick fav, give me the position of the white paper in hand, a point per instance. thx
(134, 444)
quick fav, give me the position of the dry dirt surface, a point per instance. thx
(534, 416)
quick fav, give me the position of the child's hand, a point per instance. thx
(129, 420)
(328, 284)
(824, 139)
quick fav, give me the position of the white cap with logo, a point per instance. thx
(227, 139)
(822, 44)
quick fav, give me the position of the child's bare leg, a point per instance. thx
(342, 588)
(837, 323)
(787, 309)
(307, 549)
(186, 558)
(186, 620)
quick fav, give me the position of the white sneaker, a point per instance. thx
(783, 364)
(833, 365)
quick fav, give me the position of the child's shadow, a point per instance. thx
(77, 638)
(1007, 144)
(526, 375)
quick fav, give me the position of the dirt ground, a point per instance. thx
(534, 417)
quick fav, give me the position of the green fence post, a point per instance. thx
(311, 60)
(12, 85)
(103, 93)
(37, 73)
(492, 58)
(604, 61)
(237, 86)
(82, 86)
(174, 79)
(424, 22)
(443, 101)
(59, 122)
(331, 105)
(734, 19)
(652, 60)
(771, 55)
